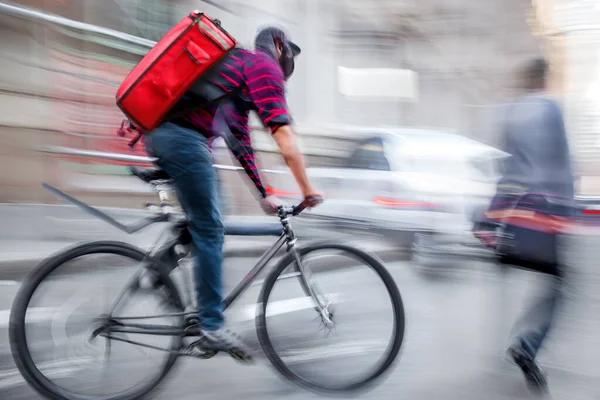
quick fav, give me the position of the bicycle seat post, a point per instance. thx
(161, 187)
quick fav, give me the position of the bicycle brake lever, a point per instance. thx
(312, 201)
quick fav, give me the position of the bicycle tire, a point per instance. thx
(17, 335)
(399, 323)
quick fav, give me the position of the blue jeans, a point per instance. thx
(185, 156)
(537, 320)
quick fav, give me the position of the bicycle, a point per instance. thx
(156, 269)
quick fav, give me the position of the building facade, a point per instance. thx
(570, 30)
(61, 80)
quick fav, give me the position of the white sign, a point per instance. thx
(378, 83)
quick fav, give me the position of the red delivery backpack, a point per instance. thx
(170, 68)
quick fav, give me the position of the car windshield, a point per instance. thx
(369, 155)
(427, 157)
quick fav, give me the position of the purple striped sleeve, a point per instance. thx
(246, 156)
(266, 87)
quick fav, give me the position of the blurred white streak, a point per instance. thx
(40, 16)
(127, 157)
(34, 314)
(59, 71)
(279, 307)
(577, 16)
(378, 82)
(593, 93)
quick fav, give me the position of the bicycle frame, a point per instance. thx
(241, 287)
(114, 324)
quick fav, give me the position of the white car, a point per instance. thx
(424, 182)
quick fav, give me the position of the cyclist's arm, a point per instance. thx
(284, 136)
(246, 156)
(266, 86)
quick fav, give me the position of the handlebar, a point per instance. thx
(308, 202)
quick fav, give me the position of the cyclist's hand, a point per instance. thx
(313, 199)
(270, 204)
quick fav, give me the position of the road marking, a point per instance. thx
(248, 313)
(28, 256)
(59, 325)
(63, 219)
(34, 315)
(52, 370)
(334, 350)
(9, 283)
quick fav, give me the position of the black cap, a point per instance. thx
(266, 36)
(296, 50)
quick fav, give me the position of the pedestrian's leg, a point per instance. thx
(536, 322)
(533, 328)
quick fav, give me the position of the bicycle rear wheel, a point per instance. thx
(61, 356)
(310, 353)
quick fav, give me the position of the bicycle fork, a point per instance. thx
(305, 274)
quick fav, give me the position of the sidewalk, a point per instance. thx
(31, 233)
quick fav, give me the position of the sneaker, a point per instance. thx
(224, 340)
(197, 350)
(534, 376)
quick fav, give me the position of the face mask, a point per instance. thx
(287, 61)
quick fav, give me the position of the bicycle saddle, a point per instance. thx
(149, 175)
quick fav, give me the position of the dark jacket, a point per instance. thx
(535, 138)
(539, 166)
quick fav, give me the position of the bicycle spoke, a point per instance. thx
(107, 349)
(106, 358)
(126, 290)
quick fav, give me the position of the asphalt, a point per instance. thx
(457, 327)
(458, 322)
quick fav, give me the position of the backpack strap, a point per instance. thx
(218, 101)
(170, 117)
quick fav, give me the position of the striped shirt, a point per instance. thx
(262, 89)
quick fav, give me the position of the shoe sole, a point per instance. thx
(241, 356)
(236, 353)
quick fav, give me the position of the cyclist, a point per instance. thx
(182, 148)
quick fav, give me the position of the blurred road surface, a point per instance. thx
(458, 324)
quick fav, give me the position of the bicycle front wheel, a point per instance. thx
(67, 300)
(335, 327)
